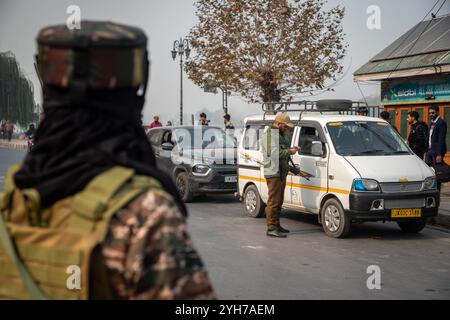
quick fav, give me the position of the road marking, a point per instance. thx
(253, 247)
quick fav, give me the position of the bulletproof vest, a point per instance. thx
(41, 251)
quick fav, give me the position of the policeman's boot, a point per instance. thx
(282, 230)
(275, 233)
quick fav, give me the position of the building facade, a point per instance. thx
(414, 73)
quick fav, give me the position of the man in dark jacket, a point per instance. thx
(417, 138)
(437, 146)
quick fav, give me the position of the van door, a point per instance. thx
(307, 191)
(249, 158)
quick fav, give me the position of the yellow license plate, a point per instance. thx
(406, 213)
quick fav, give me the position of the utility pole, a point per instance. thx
(181, 47)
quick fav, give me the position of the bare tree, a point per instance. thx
(266, 50)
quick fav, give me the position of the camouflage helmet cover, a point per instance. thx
(100, 55)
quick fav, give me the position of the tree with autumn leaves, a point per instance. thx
(266, 50)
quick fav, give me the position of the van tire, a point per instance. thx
(412, 226)
(183, 187)
(254, 206)
(335, 221)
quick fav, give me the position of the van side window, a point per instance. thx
(307, 136)
(252, 135)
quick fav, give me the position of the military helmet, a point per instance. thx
(98, 56)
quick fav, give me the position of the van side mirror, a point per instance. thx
(316, 149)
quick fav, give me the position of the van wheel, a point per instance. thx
(412, 226)
(335, 222)
(254, 207)
(182, 184)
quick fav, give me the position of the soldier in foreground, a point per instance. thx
(88, 215)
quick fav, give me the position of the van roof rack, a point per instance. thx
(320, 106)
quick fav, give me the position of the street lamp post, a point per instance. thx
(181, 47)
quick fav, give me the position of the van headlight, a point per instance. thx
(201, 169)
(429, 183)
(366, 185)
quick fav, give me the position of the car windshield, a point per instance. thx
(362, 138)
(203, 138)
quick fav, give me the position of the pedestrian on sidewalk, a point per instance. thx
(203, 120)
(362, 111)
(227, 122)
(155, 123)
(2, 129)
(92, 193)
(276, 154)
(437, 146)
(9, 129)
(386, 116)
(417, 139)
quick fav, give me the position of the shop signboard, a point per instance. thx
(416, 90)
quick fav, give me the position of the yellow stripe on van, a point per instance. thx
(304, 186)
(252, 178)
(296, 185)
(338, 191)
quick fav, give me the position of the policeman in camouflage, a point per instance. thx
(89, 194)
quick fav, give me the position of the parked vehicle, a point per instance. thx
(354, 169)
(201, 160)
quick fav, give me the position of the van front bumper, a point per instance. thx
(361, 205)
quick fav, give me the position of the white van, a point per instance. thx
(355, 169)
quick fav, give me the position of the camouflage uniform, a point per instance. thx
(149, 254)
(144, 246)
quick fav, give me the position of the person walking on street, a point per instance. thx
(9, 129)
(276, 154)
(437, 146)
(362, 111)
(203, 120)
(98, 203)
(417, 139)
(227, 122)
(2, 129)
(386, 116)
(155, 123)
(31, 131)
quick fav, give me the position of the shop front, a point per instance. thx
(401, 96)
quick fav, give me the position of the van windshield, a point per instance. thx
(363, 138)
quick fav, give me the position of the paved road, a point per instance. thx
(244, 264)
(8, 157)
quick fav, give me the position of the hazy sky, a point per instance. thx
(167, 20)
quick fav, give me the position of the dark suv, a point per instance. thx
(200, 159)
